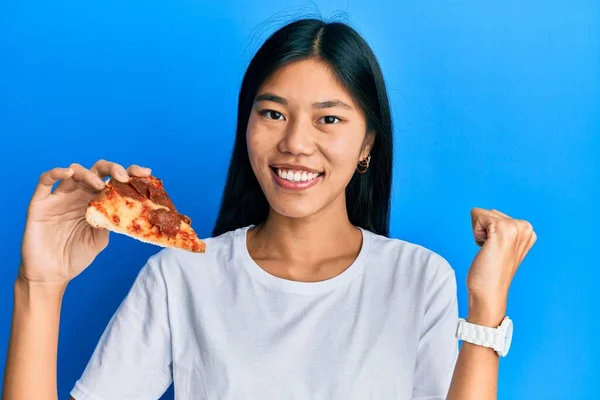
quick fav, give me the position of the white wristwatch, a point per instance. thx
(498, 338)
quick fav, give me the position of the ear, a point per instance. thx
(367, 144)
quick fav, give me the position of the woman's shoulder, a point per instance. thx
(409, 256)
(182, 275)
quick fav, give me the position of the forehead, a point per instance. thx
(306, 81)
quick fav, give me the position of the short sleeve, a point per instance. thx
(132, 360)
(437, 350)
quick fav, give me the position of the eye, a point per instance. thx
(329, 119)
(272, 114)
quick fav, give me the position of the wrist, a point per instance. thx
(486, 311)
(39, 289)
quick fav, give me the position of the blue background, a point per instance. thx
(496, 105)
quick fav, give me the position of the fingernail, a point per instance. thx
(98, 182)
(122, 173)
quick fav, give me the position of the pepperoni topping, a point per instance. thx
(151, 188)
(167, 221)
(162, 199)
(140, 185)
(126, 190)
(185, 219)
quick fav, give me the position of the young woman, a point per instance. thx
(301, 294)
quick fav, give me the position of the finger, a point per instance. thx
(481, 221)
(500, 214)
(105, 168)
(532, 241)
(68, 185)
(530, 236)
(136, 170)
(86, 177)
(47, 180)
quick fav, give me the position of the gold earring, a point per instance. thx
(363, 165)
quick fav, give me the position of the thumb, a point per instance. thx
(483, 224)
(100, 236)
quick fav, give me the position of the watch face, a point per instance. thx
(507, 337)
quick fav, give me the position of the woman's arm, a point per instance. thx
(476, 371)
(30, 371)
(57, 245)
(504, 242)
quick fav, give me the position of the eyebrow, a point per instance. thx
(319, 105)
(331, 104)
(270, 97)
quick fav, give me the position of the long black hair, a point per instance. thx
(352, 60)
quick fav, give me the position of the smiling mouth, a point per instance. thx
(292, 175)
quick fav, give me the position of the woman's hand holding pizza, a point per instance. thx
(58, 243)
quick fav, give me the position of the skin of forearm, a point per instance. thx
(30, 371)
(476, 372)
(475, 375)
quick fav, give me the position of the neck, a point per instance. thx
(325, 234)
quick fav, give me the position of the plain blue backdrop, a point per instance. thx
(495, 104)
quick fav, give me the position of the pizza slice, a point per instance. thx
(142, 210)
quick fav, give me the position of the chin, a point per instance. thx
(295, 211)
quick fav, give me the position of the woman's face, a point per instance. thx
(305, 137)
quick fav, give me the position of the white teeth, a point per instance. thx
(296, 176)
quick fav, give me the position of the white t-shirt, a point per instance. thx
(219, 327)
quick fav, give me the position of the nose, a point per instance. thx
(297, 139)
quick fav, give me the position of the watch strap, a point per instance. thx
(480, 335)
